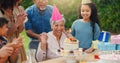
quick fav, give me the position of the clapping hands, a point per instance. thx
(6, 51)
(21, 18)
(43, 40)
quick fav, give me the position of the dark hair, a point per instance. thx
(1, 1)
(3, 21)
(7, 4)
(94, 16)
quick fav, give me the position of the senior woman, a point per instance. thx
(53, 40)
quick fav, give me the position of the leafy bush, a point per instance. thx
(68, 8)
(26, 3)
(108, 10)
(109, 13)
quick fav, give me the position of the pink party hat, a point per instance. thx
(56, 16)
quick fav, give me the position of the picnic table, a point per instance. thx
(88, 58)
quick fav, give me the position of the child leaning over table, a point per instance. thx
(8, 51)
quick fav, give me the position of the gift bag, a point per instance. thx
(115, 39)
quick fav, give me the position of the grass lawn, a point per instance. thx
(25, 39)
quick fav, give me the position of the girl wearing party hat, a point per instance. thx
(86, 28)
(53, 40)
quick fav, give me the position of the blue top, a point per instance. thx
(38, 22)
(83, 32)
(4, 41)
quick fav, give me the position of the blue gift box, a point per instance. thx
(106, 46)
(117, 46)
(104, 36)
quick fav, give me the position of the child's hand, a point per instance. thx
(6, 51)
(90, 50)
(17, 42)
(16, 51)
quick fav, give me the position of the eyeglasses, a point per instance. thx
(43, 0)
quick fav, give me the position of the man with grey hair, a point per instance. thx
(38, 21)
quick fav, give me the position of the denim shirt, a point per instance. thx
(38, 22)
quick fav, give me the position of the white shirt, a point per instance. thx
(53, 47)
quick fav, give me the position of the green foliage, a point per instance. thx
(26, 3)
(26, 40)
(108, 10)
(109, 13)
(68, 8)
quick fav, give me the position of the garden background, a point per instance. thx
(108, 11)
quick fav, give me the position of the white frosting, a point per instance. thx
(69, 45)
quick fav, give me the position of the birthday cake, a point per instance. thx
(70, 44)
(71, 47)
(109, 58)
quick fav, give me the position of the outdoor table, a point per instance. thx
(89, 58)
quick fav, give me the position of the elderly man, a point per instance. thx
(38, 21)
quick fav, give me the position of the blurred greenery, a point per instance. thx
(68, 8)
(26, 3)
(108, 11)
(25, 40)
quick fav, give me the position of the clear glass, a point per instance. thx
(31, 56)
(70, 58)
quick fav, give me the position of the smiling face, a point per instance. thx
(58, 28)
(85, 12)
(3, 30)
(41, 4)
